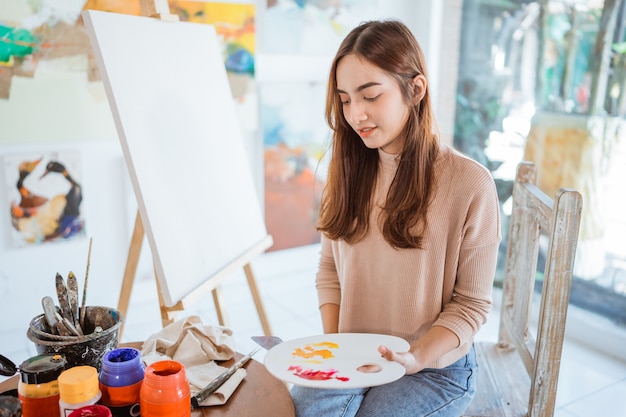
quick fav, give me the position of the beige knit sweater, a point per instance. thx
(403, 292)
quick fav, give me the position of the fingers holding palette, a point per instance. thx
(341, 360)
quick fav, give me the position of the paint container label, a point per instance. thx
(122, 401)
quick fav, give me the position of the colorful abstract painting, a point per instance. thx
(45, 197)
(295, 137)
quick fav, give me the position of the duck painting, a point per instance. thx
(39, 218)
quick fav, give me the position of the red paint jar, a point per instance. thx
(91, 411)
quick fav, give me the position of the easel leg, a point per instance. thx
(257, 300)
(168, 314)
(222, 318)
(130, 270)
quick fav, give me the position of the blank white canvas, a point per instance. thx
(169, 94)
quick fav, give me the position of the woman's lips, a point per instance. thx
(366, 132)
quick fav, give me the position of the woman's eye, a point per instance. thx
(371, 98)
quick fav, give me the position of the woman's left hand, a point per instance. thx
(406, 359)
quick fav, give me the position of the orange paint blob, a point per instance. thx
(310, 351)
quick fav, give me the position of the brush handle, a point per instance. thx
(84, 304)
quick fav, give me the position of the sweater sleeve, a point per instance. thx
(471, 299)
(327, 279)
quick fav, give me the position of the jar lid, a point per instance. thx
(7, 367)
(41, 369)
(91, 411)
(79, 384)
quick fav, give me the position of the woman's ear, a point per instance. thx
(419, 88)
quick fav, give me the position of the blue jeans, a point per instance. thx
(431, 392)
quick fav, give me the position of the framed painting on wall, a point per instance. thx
(295, 138)
(45, 197)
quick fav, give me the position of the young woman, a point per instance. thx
(410, 232)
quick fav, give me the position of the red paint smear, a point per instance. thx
(314, 375)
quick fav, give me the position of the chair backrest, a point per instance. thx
(535, 214)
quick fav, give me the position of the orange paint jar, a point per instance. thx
(165, 390)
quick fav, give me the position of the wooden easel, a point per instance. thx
(160, 9)
(168, 312)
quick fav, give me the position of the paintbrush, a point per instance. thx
(72, 290)
(49, 311)
(214, 385)
(82, 309)
(67, 324)
(64, 299)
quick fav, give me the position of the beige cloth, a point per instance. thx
(197, 346)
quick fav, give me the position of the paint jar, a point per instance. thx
(38, 387)
(78, 387)
(121, 376)
(92, 411)
(165, 390)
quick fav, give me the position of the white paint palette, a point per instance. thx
(341, 360)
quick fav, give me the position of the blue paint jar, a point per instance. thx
(121, 376)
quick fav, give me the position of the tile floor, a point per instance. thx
(591, 384)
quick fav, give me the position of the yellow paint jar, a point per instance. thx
(78, 387)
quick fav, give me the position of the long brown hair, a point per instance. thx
(347, 198)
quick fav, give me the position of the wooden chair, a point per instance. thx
(518, 375)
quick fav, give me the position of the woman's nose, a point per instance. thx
(357, 113)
